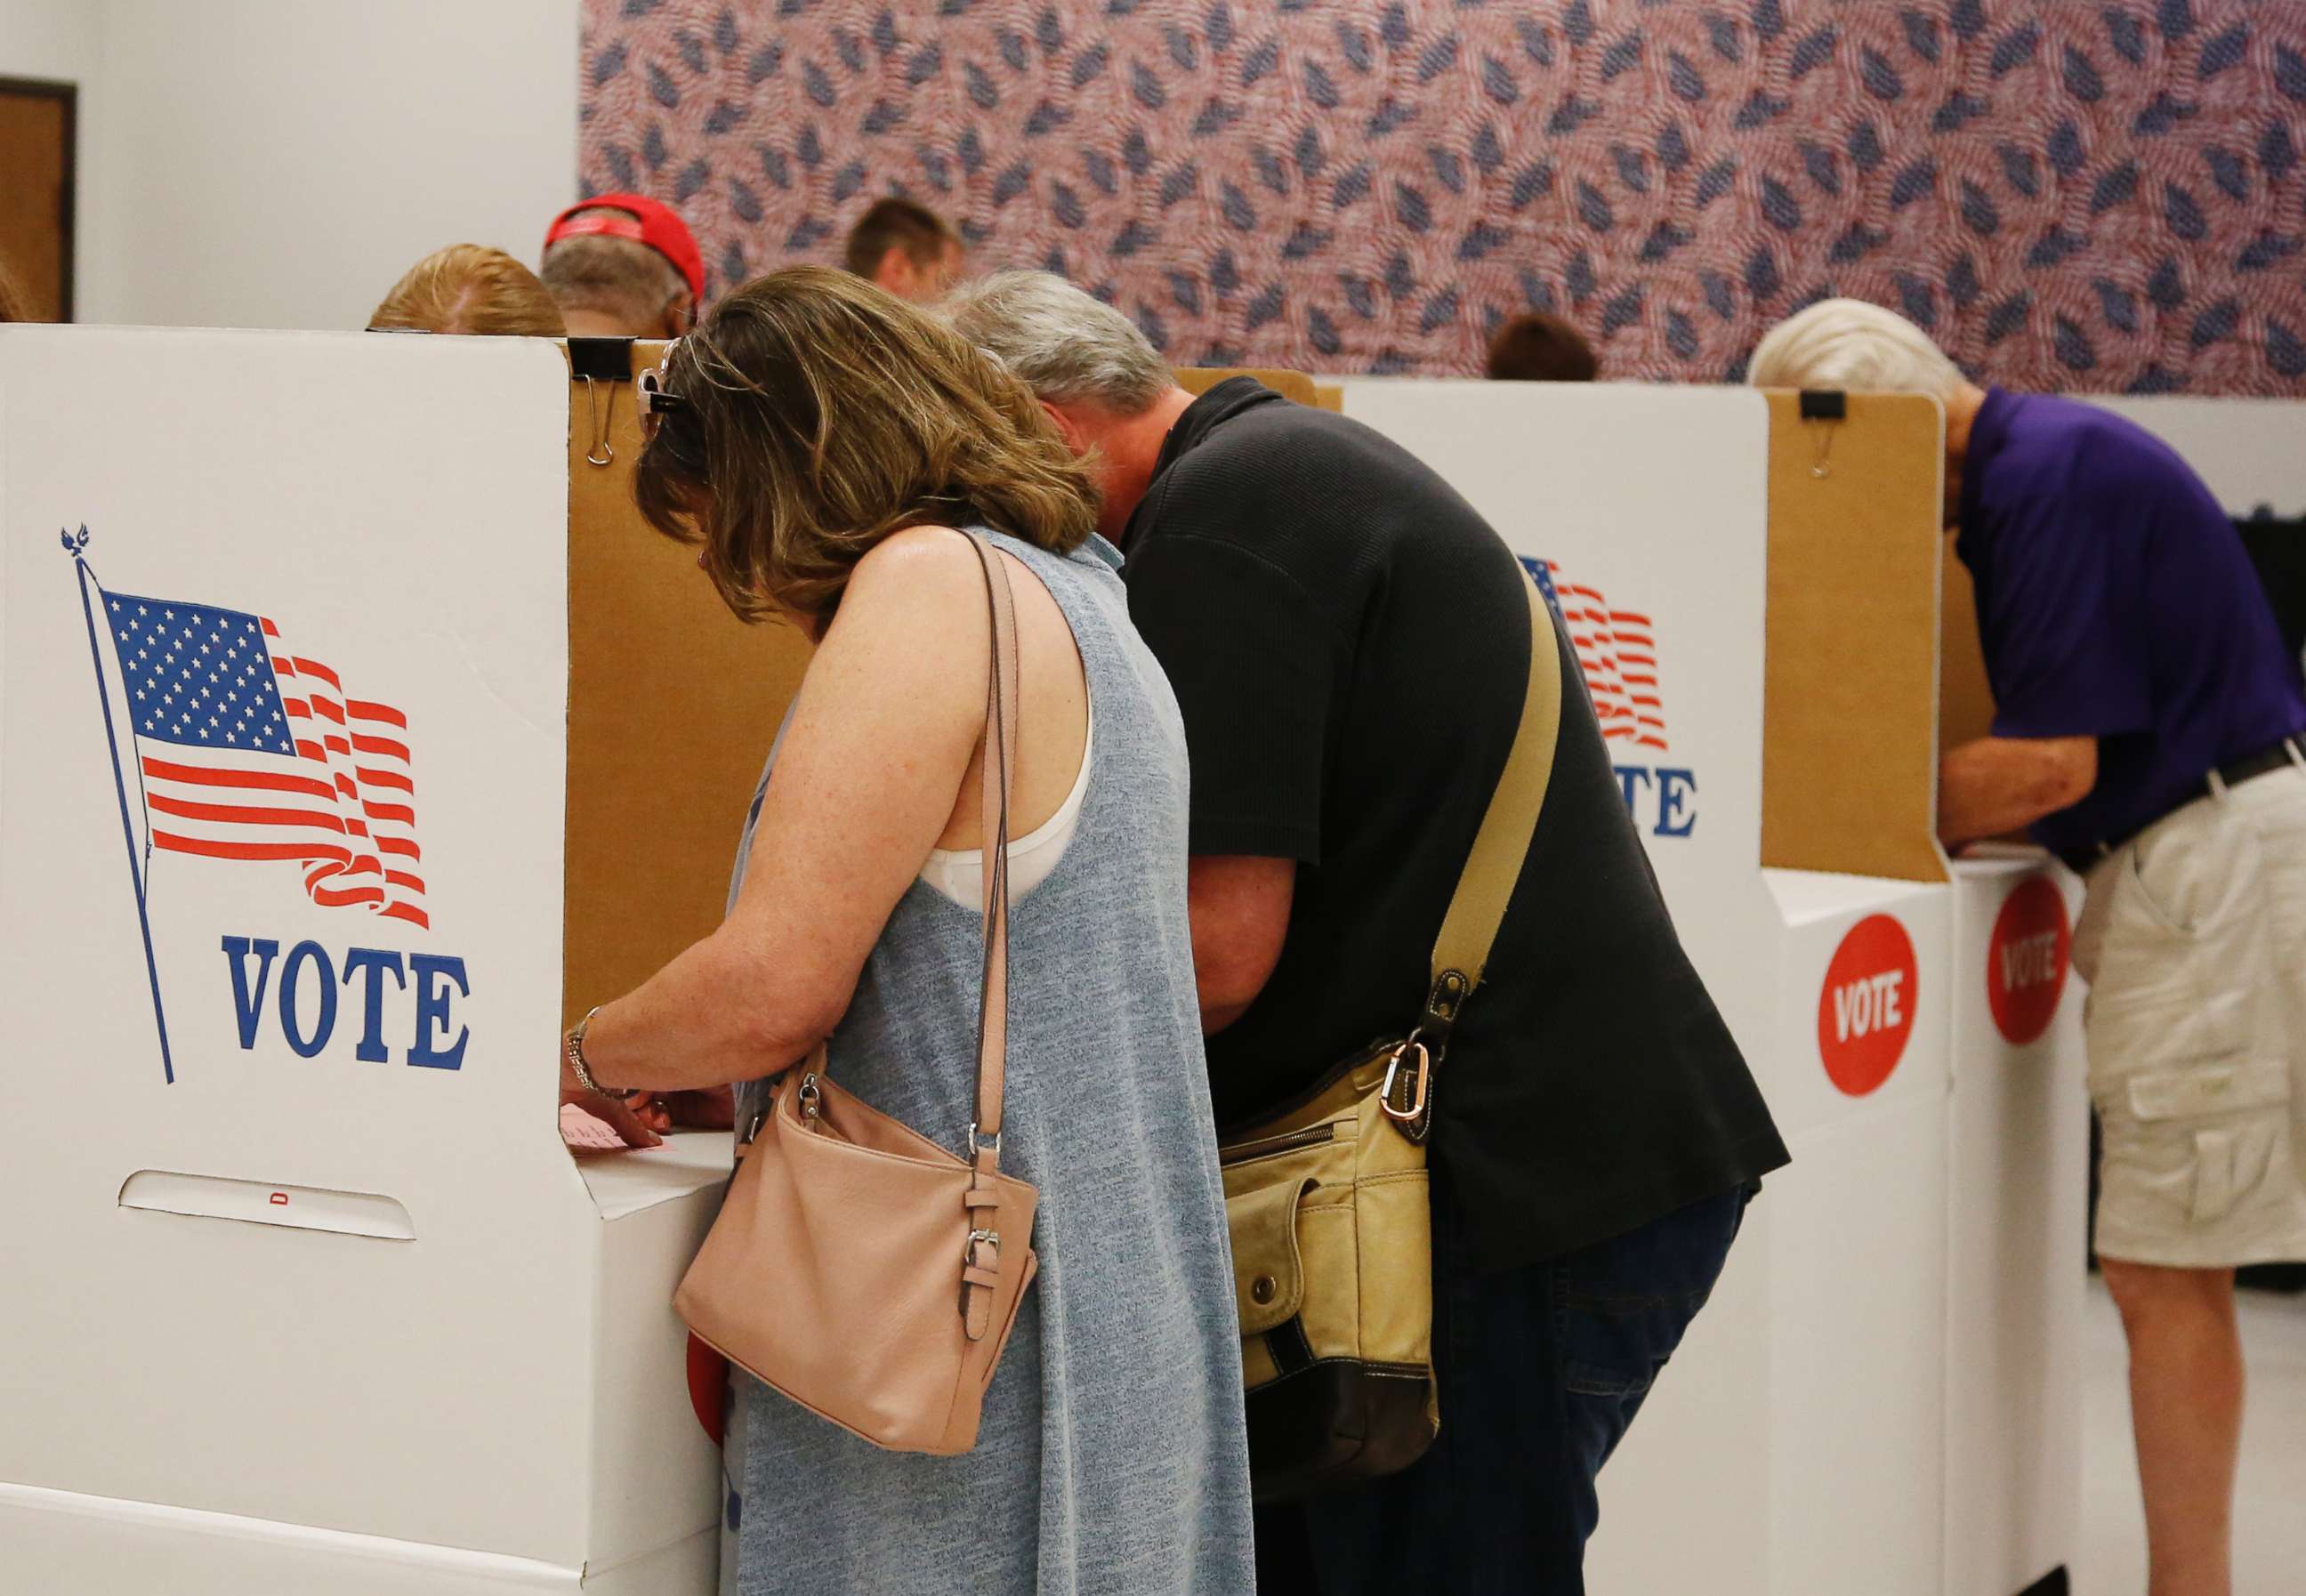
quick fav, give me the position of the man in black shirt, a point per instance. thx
(1348, 641)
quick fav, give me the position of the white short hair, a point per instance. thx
(1069, 347)
(1858, 347)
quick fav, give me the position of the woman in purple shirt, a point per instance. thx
(2148, 730)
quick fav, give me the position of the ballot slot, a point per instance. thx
(260, 1202)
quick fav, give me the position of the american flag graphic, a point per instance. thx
(245, 749)
(1617, 651)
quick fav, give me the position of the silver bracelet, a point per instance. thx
(574, 1048)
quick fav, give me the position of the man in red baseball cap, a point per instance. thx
(624, 266)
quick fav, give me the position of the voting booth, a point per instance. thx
(346, 748)
(2017, 1181)
(1751, 583)
(354, 737)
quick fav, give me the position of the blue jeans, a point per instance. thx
(1541, 1369)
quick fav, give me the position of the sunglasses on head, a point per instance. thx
(652, 399)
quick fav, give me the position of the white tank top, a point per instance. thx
(959, 872)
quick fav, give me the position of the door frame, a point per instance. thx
(67, 204)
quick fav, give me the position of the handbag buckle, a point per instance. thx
(991, 1238)
(1410, 1115)
(809, 1099)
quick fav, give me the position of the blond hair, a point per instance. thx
(1859, 347)
(816, 413)
(470, 288)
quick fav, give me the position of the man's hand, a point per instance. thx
(1999, 784)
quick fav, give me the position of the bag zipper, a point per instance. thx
(1274, 1145)
(1292, 1103)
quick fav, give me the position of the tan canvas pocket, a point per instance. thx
(2149, 904)
(1268, 1274)
(2202, 1090)
(2240, 1136)
(1397, 1286)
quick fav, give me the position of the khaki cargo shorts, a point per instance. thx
(2192, 938)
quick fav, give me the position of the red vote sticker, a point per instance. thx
(2025, 959)
(1865, 1014)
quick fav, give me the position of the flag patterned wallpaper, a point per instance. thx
(2104, 194)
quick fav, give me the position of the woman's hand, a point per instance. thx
(609, 1111)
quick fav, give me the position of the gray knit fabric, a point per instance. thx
(1112, 1457)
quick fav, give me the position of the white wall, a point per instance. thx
(278, 163)
(2251, 452)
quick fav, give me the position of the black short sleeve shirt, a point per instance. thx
(1348, 641)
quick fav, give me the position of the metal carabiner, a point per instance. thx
(1416, 1111)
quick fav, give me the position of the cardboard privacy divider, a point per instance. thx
(1289, 385)
(1964, 700)
(1297, 386)
(1850, 755)
(1762, 647)
(672, 703)
(315, 1299)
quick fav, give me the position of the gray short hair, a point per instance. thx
(1070, 347)
(615, 277)
(1848, 344)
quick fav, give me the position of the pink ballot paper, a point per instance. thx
(587, 1134)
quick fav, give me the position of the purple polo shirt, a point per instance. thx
(2115, 601)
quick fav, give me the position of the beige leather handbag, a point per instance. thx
(856, 1266)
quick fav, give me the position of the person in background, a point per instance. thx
(469, 288)
(2147, 729)
(1539, 348)
(905, 248)
(1112, 1460)
(624, 266)
(1349, 642)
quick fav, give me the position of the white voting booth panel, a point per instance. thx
(303, 1292)
(2251, 452)
(2018, 1177)
(1797, 1442)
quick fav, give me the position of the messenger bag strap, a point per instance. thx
(1486, 886)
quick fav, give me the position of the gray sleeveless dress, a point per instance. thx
(1112, 1457)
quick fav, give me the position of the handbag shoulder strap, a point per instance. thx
(1478, 907)
(998, 782)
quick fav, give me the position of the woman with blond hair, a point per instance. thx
(824, 443)
(469, 288)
